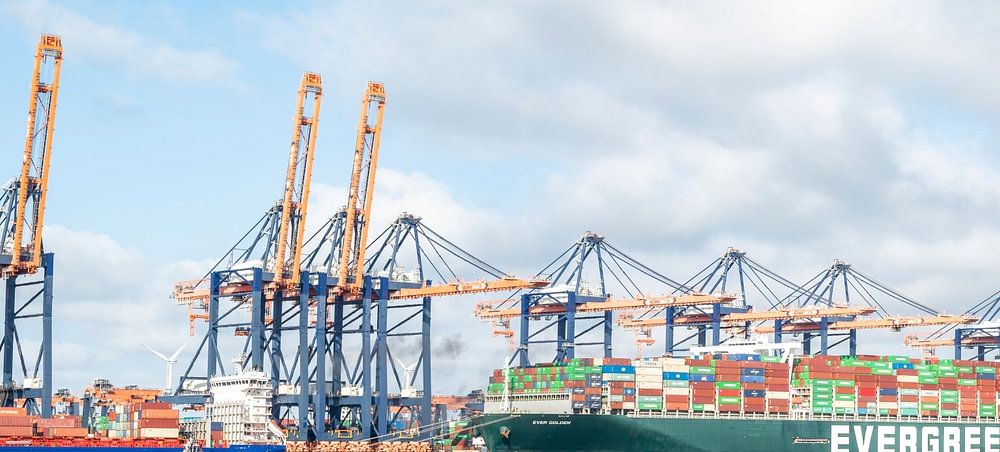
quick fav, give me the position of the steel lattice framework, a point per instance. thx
(28, 296)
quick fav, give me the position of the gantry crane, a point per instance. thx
(22, 256)
(578, 309)
(983, 336)
(274, 243)
(261, 272)
(810, 311)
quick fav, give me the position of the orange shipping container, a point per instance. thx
(13, 411)
(16, 421)
(66, 432)
(16, 432)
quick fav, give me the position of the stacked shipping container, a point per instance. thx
(897, 386)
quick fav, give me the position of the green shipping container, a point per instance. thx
(844, 383)
(649, 399)
(647, 406)
(821, 403)
(966, 382)
(729, 400)
(927, 380)
(949, 413)
(928, 406)
(844, 397)
(727, 385)
(702, 370)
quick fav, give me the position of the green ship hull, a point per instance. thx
(582, 432)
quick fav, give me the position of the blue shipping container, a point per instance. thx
(753, 393)
(755, 371)
(675, 376)
(751, 379)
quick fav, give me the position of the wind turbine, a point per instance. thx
(407, 390)
(170, 363)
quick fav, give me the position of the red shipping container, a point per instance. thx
(650, 392)
(680, 406)
(614, 406)
(778, 402)
(703, 399)
(843, 390)
(698, 362)
(58, 422)
(870, 391)
(670, 398)
(729, 408)
(730, 393)
(754, 386)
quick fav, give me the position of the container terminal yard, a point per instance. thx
(320, 339)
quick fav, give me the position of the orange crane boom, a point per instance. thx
(359, 195)
(34, 179)
(489, 311)
(738, 318)
(893, 323)
(466, 288)
(297, 180)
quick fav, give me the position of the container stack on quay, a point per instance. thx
(897, 386)
(142, 420)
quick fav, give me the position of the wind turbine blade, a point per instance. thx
(179, 350)
(161, 355)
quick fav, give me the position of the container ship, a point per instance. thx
(766, 401)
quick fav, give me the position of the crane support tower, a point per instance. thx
(28, 296)
(260, 275)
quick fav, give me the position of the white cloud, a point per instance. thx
(119, 46)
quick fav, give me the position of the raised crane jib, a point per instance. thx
(291, 230)
(25, 247)
(350, 274)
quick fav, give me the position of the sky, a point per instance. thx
(799, 132)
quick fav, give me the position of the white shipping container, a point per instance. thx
(628, 405)
(680, 369)
(887, 405)
(667, 362)
(158, 433)
(928, 393)
(908, 378)
(843, 404)
(655, 379)
(653, 371)
(676, 391)
(776, 395)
